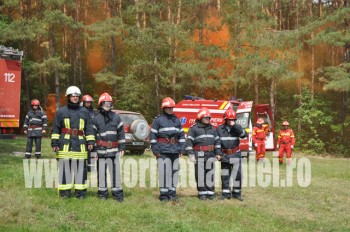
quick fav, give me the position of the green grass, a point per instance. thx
(322, 206)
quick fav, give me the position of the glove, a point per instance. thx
(192, 159)
(121, 152)
(90, 147)
(55, 149)
(292, 146)
(44, 131)
(255, 144)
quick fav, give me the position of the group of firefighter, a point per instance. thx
(77, 131)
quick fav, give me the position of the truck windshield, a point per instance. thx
(243, 120)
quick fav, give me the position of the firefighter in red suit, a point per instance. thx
(285, 143)
(259, 138)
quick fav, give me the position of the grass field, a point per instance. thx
(322, 206)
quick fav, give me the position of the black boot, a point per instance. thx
(118, 195)
(80, 194)
(65, 194)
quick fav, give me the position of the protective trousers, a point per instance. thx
(69, 169)
(113, 165)
(30, 146)
(231, 175)
(260, 150)
(205, 175)
(168, 175)
(284, 148)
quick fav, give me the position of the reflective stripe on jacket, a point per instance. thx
(35, 122)
(167, 127)
(108, 127)
(202, 135)
(70, 145)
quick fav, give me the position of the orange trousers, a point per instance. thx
(260, 150)
(284, 148)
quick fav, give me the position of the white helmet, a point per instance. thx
(73, 90)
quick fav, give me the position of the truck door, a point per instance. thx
(10, 87)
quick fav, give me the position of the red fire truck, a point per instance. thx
(186, 111)
(10, 88)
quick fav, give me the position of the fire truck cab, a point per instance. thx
(186, 111)
(10, 88)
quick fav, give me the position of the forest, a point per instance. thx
(291, 54)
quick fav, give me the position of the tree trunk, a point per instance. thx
(256, 85)
(299, 80)
(156, 80)
(80, 62)
(272, 97)
(56, 77)
(176, 44)
(342, 113)
(113, 62)
(312, 54)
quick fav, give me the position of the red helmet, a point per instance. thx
(230, 114)
(87, 98)
(105, 97)
(35, 102)
(168, 102)
(285, 123)
(260, 121)
(204, 112)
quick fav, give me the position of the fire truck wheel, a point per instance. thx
(139, 129)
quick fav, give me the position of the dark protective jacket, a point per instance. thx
(73, 144)
(35, 122)
(109, 132)
(201, 136)
(167, 135)
(229, 138)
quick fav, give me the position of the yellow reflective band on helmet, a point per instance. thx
(64, 186)
(90, 138)
(55, 136)
(81, 124)
(80, 186)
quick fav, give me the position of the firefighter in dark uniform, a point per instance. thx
(110, 145)
(167, 143)
(72, 135)
(231, 164)
(203, 147)
(35, 124)
(87, 103)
